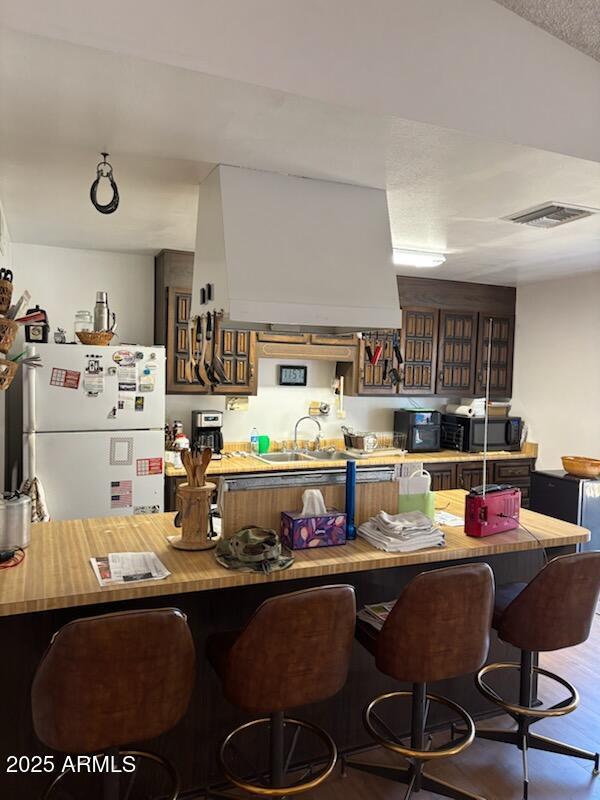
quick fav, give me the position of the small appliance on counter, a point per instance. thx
(421, 427)
(15, 520)
(467, 433)
(492, 509)
(206, 432)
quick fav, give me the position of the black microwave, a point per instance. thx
(467, 433)
(419, 428)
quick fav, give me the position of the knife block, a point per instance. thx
(194, 506)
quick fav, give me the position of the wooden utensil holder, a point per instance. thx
(194, 506)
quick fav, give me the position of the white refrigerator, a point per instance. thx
(93, 429)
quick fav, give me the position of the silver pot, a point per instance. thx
(15, 520)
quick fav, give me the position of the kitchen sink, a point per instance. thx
(284, 458)
(330, 455)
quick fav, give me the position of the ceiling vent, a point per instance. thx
(549, 215)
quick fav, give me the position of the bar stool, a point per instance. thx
(109, 680)
(554, 610)
(295, 650)
(438, 629)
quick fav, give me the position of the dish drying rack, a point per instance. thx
(362, 444)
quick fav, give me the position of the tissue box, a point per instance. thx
(299, 532)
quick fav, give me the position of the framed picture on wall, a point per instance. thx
(292, 375)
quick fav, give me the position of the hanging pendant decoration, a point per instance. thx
(104, 170)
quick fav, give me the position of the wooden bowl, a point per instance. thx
(96, 338)
(581, 467)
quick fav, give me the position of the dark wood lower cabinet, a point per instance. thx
(443, 475)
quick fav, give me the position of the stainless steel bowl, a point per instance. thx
(15, 520)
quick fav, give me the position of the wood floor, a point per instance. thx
(494, 770)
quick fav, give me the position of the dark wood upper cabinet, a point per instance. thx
(178, 332)
(457, 352)
(501, 363)
(173, 327)
(418, 344)
(237, 350)
(375, 379)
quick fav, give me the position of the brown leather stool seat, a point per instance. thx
(553, 611)
(110, 680)
(438, 629)
(295, 650)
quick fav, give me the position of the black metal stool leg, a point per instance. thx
(538, 742)
(417, 734)
(444, 789)
(111, 782)
(525, 768)
(276, 749)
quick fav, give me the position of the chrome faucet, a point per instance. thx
(317, 437)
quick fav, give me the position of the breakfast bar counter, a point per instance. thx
(56, 584)
(57, 573)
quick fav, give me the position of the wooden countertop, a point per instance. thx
(238, 464)
(57, 574)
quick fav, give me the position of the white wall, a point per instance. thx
(63, 281)
(275, 409)
(557, 366)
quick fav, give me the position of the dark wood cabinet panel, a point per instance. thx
(502, 351)
(470, 474)
(172, 268)
(456, 352)
(515, 473)
(374, 379)
(443, 475)
(418, 344)
(334, 338)
(179, 329)
(238, 354)
(284, 338)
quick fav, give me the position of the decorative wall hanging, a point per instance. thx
(104, 170)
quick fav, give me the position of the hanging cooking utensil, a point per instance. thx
(189, 364)
(386, 364)
(207, 350)
(104, 170)
(376, 355)
(218, 366)
(394, 376)
(369, 353)
(197, 351)
(397, 351)
(202, 375)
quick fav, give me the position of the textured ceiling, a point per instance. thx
(576, 22)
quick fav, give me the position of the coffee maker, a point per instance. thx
(206, 431)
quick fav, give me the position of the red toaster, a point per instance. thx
(495, 512)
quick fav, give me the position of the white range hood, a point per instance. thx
(281, 252)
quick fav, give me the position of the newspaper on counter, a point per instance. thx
(376, 614)
(449, 520)
(116, 568)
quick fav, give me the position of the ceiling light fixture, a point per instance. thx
(417, 258)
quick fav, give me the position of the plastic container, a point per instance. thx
(254, 441)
